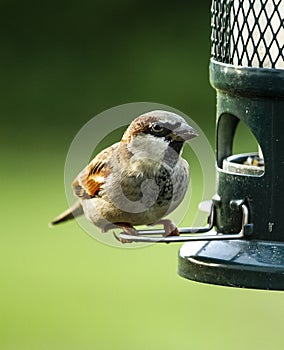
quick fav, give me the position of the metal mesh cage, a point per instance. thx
(248, 33)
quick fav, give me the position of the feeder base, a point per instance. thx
(234, 263)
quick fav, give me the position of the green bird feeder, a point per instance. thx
(247, 72)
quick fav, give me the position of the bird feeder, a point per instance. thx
(247, 72)
(243, 243)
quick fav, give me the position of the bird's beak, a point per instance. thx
(185, 132)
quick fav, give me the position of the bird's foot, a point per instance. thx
(169, 227)
(129, 230)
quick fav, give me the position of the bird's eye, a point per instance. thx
(156, 128)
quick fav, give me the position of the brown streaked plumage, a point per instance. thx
(88, 183)
(138, 180)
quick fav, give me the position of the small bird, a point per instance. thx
(138, 180)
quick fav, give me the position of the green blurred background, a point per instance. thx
(62, 63)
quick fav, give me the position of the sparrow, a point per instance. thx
(138, 180)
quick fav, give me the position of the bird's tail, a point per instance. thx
(69, 214)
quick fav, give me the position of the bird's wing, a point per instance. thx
(90, 180)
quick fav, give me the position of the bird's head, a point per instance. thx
(157, 131)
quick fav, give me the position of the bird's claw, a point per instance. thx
(129, 230)
(169, 227)
(121, 240)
